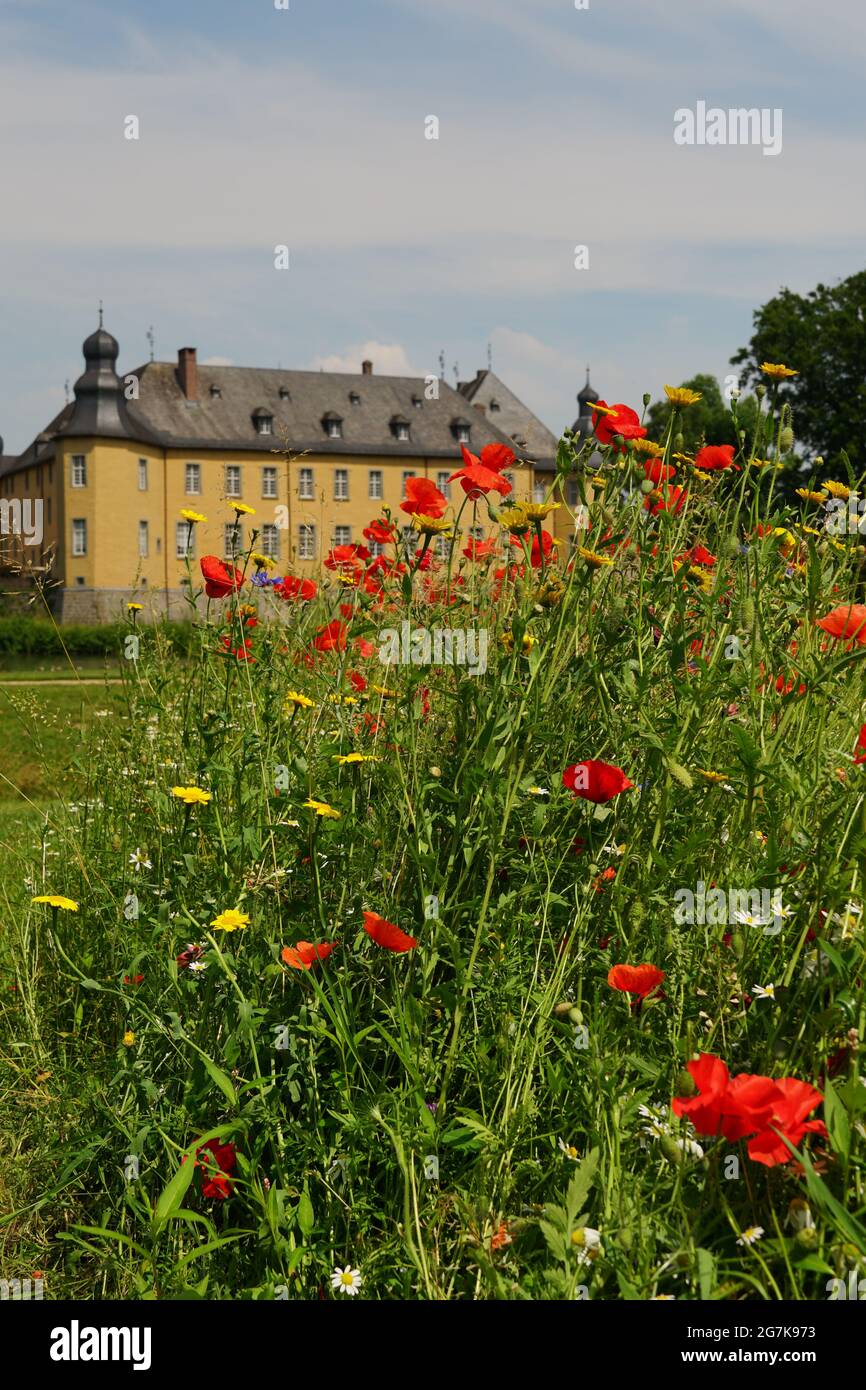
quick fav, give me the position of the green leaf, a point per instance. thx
(836, 1117)
(306, 1218)
(555, 1241)
(706, 1272)
(175, 1190)
(581, 1182)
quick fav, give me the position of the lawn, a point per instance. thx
(538, 978)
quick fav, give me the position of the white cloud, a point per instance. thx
(389, 359)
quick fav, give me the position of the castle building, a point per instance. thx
(317, 455)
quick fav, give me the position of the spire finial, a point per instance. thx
(100, 313)
(587, 373)
(151, 340)
(490, 357)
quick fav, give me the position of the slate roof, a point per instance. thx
(226, 420)
(514, 418)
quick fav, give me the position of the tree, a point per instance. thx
(708, 421)
(823, 336)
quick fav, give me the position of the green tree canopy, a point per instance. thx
(822, 335)
(708, 421)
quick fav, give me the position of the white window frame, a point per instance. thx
(78, 474)
(188, 476)
(233, 473)
(342, 535)
(142, 475)
(306, 541)
(443, 484)
(341, 484)
(306, 485)
(270, 540)
(79, 537)
(184, 540)
(270, 481)
(335, 429)
(375, 485)
(143, 540)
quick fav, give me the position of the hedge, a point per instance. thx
(21, 636)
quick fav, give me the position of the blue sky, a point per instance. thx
(306, 127)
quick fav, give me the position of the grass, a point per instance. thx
(482, 1115)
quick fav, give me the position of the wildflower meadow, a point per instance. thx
(478, 919)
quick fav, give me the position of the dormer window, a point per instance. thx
(216, 392)
(354, 398)
(417, 402)
(460, 430)
(494, 406)
(400, 427)
(332, 425)
(285, 393)
(263, 421)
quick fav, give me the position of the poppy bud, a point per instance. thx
(562, 1009)
(686, 1084)
(671, 1149)
(819, 462)
(678, 443)
(737, 944)
(623, 1239)
(647, 486)
(760, 391)
(575, 1015)
(786, 439)
(807, 1239)
(435, 772)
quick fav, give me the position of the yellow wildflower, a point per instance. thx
(230, 920)
(55, 900)
(294, 697)
(344, 758)
(192, 796)
(128, 1038)
(594, 560)
(322, 808)
(240, 508)
(192, 516)
(537, 511)
(808, 496)
(837, 490)
(778, 370)
(682, 395)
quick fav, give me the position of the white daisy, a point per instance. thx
(764, 991)
(139, 861)
(568, 1149)
(346, 1280)
(750, 1235)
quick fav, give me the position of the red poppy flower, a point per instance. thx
(382, 532)
(710, 1075)
(218, 1164)
(294, 588)
(624, 422)
(795, 1100)
(493, 456)
(386, 934)
(670, 499)
(861, 744)
(477, 480)
(479, 550)
(357, 681)
(657, 471)
(220, 579)
(635, 979)
(133, 979)
(347, 557)
(595, 781)
(304, 954)
(423, 498)
(847, 621)
(698, 555)
(714, 457)
(332, 637)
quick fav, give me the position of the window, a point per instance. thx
(571, 493)
(79, 471)
(142, 475)
(269, 482)
(376, 547)
(443, 484)
(79, 537)
(306, 542)
(494, 406)
(79, 579)
(341, 484)
(233, 539)
(417, 402)
(184, 540)
(462, 434)
(305, 485)
(216, 392)
(265, 424)
(193, 480)
(233, 480)
(333, 426)
(399, 427)
(410, 539)
(375, 490)
(443, 545)
(143, 546)
(539, 492)
(285, 393)
(509, 478)
(270, 540)
(342, 535)
(406, 477)
(354, 398)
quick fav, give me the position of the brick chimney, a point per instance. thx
(367, 367)
(187, 372)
